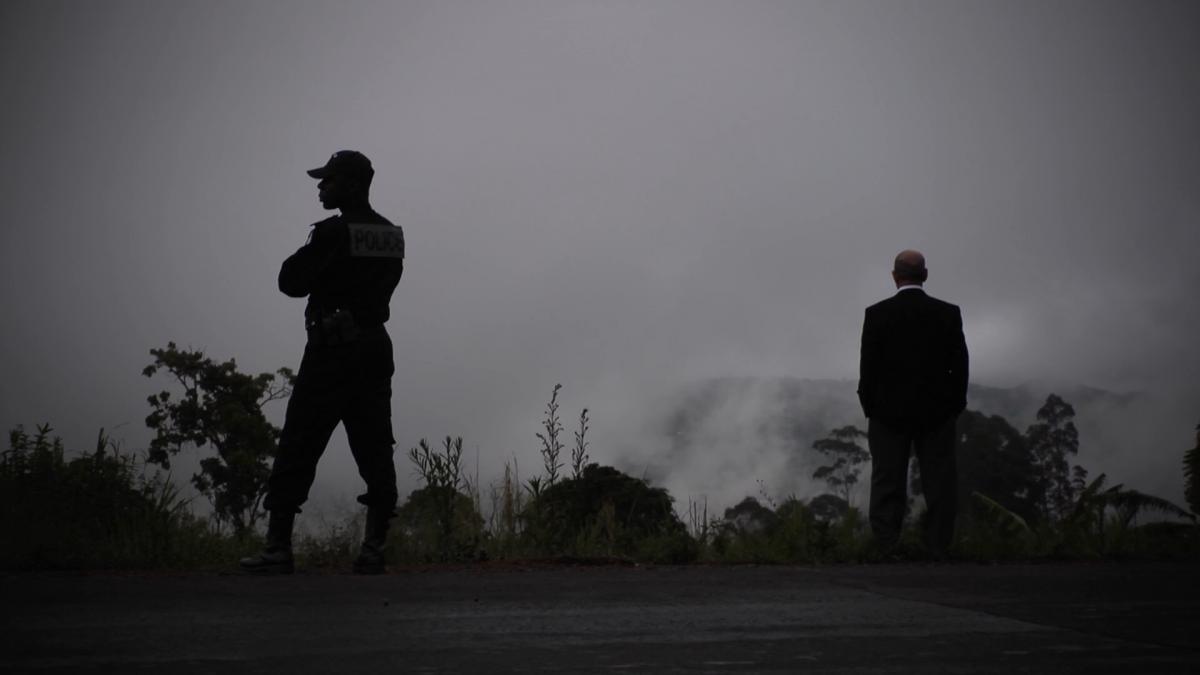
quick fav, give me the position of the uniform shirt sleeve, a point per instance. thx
(300, 271)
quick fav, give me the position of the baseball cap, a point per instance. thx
(346, 163)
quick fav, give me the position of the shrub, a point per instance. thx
(794, 532)
(439, 521)
(606, 512)
(436, 524)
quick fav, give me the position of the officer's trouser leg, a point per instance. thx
(368, 420)
(312, 413)
(373, 448)
(890, 449)
(367, 417)
(939, 482)
(369, 431)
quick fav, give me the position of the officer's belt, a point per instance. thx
(332, 327)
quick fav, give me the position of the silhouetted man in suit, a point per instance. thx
(912, 386)
(348, 270)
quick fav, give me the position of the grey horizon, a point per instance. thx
(621, 197)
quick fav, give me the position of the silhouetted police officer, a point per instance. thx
(348, 269)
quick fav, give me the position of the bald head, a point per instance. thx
(909, 268)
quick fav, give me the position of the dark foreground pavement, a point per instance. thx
(1101, 618)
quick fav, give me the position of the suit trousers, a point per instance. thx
(891, 446)
(349, 383)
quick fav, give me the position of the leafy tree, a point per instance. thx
(1053, 440)
(221, 407)
(848, 456)
(744, 532)
(828, 507)
(751, 516)
(1191, 473)
(994, 460)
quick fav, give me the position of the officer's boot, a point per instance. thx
(276, 558)
(371, 559)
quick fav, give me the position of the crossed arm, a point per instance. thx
(300, 271)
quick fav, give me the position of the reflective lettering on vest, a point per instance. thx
(371, 240)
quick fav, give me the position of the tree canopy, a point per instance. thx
(223, 408)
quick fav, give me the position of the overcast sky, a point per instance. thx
(621, 196)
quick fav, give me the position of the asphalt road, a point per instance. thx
(1049, 618)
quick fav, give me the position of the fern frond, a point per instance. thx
(1010, 523)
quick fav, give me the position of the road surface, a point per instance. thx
(962, 618)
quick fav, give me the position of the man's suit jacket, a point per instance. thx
(913, 372)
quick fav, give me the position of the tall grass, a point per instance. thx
(100, 509)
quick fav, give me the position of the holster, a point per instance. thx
(329, 329)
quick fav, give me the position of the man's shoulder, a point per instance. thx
(908, 298)
(942, 304)
(890, 302)
(331, 220)
(373, 217)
